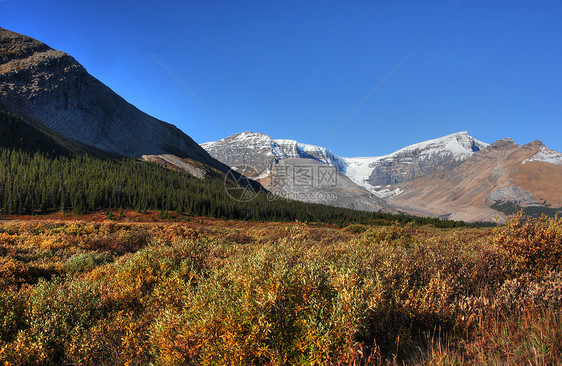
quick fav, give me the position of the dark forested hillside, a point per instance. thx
(42, 172)
(16, 133)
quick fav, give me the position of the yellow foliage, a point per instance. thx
(263, 293)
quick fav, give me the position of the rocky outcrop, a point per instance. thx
(293, 170)
(53, 88)
(176, 163)
(413, 161)
(503, 173)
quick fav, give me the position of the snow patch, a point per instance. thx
(546, 155)
(457, 146)
(359, 169)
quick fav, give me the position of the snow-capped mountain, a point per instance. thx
(411, 162)
(262, 152)
(307, 151)
(271, 161)
(546, 155)
(501, 179)
(454, 176)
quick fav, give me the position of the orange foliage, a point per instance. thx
(534, 245)
(218, 292)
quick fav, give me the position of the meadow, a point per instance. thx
(199, 291)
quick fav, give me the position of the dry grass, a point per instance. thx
(220, 292)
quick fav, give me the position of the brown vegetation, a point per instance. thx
(223, 292)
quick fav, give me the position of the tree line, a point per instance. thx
(40, 174)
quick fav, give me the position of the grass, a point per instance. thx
(207, 292)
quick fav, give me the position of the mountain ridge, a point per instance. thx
(424, 169)
(492, 178)
(51, 87)
(250, 147)
(263, 158)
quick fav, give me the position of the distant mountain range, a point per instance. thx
(500, 179)
(412, 162)
(264, 159)
(455, 176)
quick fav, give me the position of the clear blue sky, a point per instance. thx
(295, 69)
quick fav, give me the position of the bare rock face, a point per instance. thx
(413, 161)
(53, 88)
(478, 189)
(309, 180)
(176, 163)
(293, 170)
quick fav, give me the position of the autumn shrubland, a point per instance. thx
(223, 292)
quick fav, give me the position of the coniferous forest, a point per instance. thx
(125, 242)
(42, 172)
(381, 289)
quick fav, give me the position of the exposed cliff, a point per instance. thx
(53, 88)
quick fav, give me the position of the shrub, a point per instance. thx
(56, 312)
(395, 234)
(12, 272)
(239, 238)
(534, 245)
(85, 262)
(12, 305)
(285, 294)
(356, 228)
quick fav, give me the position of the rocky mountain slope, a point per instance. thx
(373, 173)
(309, 180)
(29, 136)
(411, 162)
(503, 175)
(455, 176)
(52, 88)
(262, 152)
(294, 170)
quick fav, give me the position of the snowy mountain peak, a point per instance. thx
(247, 136)
(247, 147)
(459, 144)
(414, 161)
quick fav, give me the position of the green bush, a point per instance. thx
(356, 228)
(85, 262)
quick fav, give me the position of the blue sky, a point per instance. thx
(295, 69)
